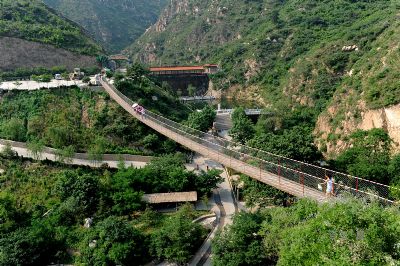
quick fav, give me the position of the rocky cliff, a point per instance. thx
(338, 59)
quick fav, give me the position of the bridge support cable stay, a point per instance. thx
(294, 177)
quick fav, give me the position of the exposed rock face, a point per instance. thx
(175, 7)
(252, 68)
(385, 118)
(15, 53)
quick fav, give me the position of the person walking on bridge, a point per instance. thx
(329, 186)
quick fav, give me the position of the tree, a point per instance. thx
(296, 143)
(151, 142)
(349, 232)
(14, 129)
(36, 148)
(8, 212)
(7, 151)
(118, 76)
(240, 243)
(98, 149)
(257, 194)
(178, 239)
(86, 79)
(202, 120)
(363, 234)
(242, 128)
(65, 155)
(35, 245)
(137, 72)
(205, 182)
(113, 241)
(368, 157)
(84, 188)
(102, 60)
(59, 136)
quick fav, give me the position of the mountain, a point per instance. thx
(336, 59)
(115, 23)
(32, 35)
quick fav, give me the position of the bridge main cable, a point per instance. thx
(294, 177)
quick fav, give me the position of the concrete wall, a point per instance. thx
(181, 82)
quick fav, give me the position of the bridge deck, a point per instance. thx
(286, 185)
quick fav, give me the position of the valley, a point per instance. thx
(215, 132)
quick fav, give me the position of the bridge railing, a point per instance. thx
(303, 173)
(306, 174)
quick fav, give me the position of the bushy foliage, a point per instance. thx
(81, 120)
(178, 239)
(242, 128)
(113, 241)
(240, 243)
(296, 143)
(257, 194)
(43, 209)
(32, 20)
(369, 157)
(341, 233)
(201, 120)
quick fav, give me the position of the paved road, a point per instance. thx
(224, 206)
(49, 154)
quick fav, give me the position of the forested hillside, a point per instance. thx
(33, 35)
(33, 21)
(84, 120)
(116, 24)
(335, 60)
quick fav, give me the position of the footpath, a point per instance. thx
(112, 160)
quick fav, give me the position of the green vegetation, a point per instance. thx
(42, 78)
(278, 36)
(341, 233)
(258, 194)
(370, 157)
(43, 208)
(33, 21)
(115, 24)
(242, 128)
(178, 239)
(294, 54)
(27, 73)
(81, 120)
(202, 120)
(138, 86)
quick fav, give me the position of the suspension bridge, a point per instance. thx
(294, 177)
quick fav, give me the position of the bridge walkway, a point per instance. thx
(206, 149)
(291, 176)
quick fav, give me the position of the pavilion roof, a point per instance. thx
(170, 197)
